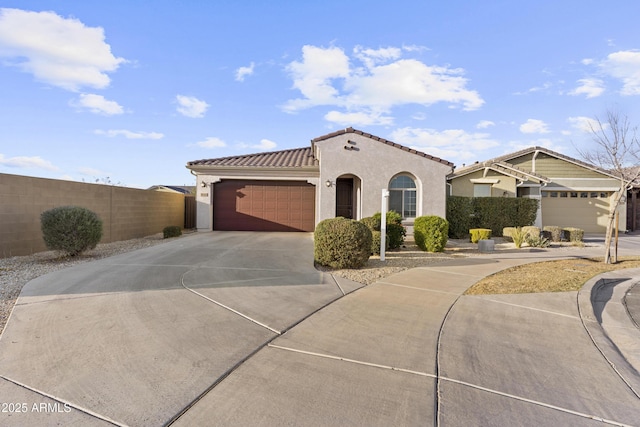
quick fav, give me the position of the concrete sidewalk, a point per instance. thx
(407, 350)
(410, 350)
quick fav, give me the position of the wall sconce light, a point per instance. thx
(203, 184)
(328, 183)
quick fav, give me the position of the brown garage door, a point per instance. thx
(263, 206)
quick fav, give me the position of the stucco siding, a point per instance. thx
(463, 186)
(375, 164)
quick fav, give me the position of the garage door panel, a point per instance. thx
(589, 214)
(264, 205)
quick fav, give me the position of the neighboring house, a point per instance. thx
(572, 193)
(339, 174)
(182, 189)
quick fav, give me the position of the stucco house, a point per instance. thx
(572, 193)
(340, 174)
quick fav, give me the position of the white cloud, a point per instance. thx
(191, 106)
(483, 124)
(313, 77)
(583, 124)
(534, 126)
(358, 118)
(265, 145)
(97, 104)
(242, 72)
(326, 76)
(447, 144)
(590, 87)
(587, 61)
(625, 66)
(129, 134)
(371, 57)
(211, 142)
(35, 162)
(59, 51)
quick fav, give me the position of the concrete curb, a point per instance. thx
(606, 320)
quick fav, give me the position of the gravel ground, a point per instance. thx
(15, 272)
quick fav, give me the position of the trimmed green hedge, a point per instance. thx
(431, 233)
(496, 213)
(70, 229)
(342, 243)
(479, 234)
(574, 234)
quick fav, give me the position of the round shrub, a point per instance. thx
(431, 233)
(342, 243)
(70, 229)
(375, 243)
(372, 222)
(171, 231)
(396, 232)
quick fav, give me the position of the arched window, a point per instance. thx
(402, 196)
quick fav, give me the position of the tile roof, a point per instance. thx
(293, 158)
(501, 167)
(530, 150)
(384, 141)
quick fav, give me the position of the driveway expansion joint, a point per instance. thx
(65, 402)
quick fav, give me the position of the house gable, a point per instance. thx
(556, 167)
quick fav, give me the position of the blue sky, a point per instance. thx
(133, 90)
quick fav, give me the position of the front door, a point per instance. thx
(344, 197)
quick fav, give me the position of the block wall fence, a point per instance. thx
(126, 213)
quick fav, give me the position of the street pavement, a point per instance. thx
(122, 347)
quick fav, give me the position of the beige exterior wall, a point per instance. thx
(553, 167)
(374, 164)
(126, 212)
(589, 213)
(463, 186)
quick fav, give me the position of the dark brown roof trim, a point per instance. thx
(384, 141)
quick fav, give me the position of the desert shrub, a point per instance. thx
(518, 236)
(70, 229)
(507, 232)
(431, 233)
(459, 216)
(375, 242)
(537, 241)
(342, 243)
(573, 234)
(372, 222)
(396, 232)
(556, 232)
(171, 231)
(479, 234)
(532, 231)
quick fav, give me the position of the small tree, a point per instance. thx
(617, 151)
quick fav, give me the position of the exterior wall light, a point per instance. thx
(328, 183)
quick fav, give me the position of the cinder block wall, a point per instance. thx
(126, 213)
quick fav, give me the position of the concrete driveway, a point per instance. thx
(136, 338)
(123, 341)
